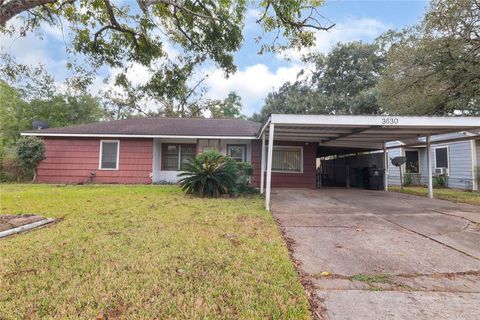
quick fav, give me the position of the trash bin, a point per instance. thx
(375, 179)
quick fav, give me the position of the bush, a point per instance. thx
(245, 172)
(30, 151)
(209, 175)
(407, 179)
(439, 181)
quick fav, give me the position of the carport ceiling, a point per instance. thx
(362, 132)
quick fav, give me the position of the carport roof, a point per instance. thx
(366, 132)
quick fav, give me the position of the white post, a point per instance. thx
(269, 166)
(262, 169)
(429, 171)
(385, 167)
(475, 168)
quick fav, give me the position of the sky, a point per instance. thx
(257, 75)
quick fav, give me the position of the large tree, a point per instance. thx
(434, 68)
(340, 82)
(122, 34)
(20, 106)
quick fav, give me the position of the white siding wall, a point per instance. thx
(460, 164)
(393, 172)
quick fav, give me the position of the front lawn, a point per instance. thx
(145, 252)
(443, 193)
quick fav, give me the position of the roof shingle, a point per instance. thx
(163, 126)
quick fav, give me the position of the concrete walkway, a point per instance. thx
(382, 255)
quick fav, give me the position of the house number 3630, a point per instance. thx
(389, 120)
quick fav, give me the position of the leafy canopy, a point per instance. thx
(340, 82)
(433, 68)
(152, 33)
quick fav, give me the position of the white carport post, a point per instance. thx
(262, 169)
(429, 170)
(385, 167)
(269, 166)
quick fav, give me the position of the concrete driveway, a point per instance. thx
(383, 255)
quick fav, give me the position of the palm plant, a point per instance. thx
(209, 175)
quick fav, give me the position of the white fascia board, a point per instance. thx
(264, 127)
(382, 121)
(89, 135)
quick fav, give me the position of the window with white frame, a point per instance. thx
(109, 154)
(287, 159)
(237, 152)
(441, 157)
(174, 155)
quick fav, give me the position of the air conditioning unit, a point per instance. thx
(441, 171)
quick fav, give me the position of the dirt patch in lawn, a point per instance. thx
(11, 221)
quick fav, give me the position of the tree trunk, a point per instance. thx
(34, 175)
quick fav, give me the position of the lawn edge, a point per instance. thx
(315, 303)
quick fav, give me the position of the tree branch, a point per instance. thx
(12, 8)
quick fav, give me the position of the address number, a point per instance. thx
(389, 120)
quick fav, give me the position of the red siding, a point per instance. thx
(287, 180)
(71, 160)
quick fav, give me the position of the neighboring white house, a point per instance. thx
(458, 161)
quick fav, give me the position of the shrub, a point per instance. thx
(245, 172)
(407, 179)
(30, 151)
(209, 175)
(439, 181)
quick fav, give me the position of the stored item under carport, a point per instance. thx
(375, 179)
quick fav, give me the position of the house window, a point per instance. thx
(413, 163)
(109, 153)
(441, 157)
(237, 152)
(287, 159)
(174, 155)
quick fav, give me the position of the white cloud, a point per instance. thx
(350, 30)
(252, 84)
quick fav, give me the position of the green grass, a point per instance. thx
(144, 252)
(443, 193)
(372, 279)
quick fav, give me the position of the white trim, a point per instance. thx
(262, 165)
(268, 187)
(94, 135)
(448, 157)
(301, 159)
(356, 121)
(429, 168)
(100, 155)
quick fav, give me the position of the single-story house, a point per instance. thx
(283, 150)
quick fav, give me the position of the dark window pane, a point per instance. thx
(109, 155)
(187, 152)
(441, 158)
(170, 157)
(412, 164)
(237, 152)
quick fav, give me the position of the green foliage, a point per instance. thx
(209, 175)
(439, 181)
(20, 106)
(341, 82)
(165, 37)
(30, 151)
(433, 68)
(245, 172)
(407, 179)
(230, 107)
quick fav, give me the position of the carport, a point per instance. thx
(367, 133)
